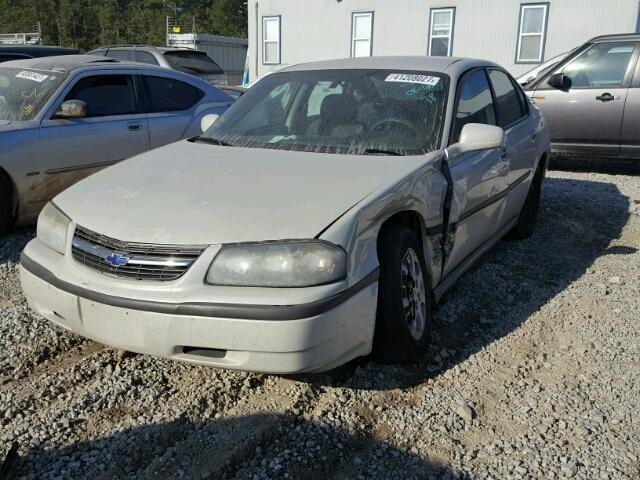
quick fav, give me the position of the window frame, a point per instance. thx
(145, 104)
(456, 102)
(520, 94)
(354, 15)
(266, 18)
(452, 27)
(630, 79)
(542, 33)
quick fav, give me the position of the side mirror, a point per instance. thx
(475, 137)
(207, 121)
(72, 109)
(560, 81)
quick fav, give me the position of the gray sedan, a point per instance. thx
(316, 221)
(63, 118)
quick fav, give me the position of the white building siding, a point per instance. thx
(321, 29)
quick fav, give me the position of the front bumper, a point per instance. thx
(271, 338)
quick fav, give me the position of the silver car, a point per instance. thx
(185, 60)
(63, 118)
(591, 100)
(316, 220)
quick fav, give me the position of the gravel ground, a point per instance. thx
(534, 373)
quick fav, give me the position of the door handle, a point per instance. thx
(136, 127)
(605, 97)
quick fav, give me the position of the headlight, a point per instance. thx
(278, 264)
(52, 228)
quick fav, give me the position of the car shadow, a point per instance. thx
(252, 446)
(578, 220)
(13, 242)
(596, 165)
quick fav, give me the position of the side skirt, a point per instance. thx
(451, 278)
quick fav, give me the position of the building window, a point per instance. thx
(441, 24)
(271, 40)
(532, 32)
(361, 34)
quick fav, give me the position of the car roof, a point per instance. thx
(145, 47)
(614, 37)
(67, 63)
(449, 65)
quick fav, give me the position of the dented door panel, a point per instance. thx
(478, 178)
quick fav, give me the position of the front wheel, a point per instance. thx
(403, 324)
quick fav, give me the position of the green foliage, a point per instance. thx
(86, 24)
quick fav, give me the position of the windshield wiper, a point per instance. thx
(210, 141)
(380, 151)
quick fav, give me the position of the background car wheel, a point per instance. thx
(403, 324)
(529, 213)
(5, 206)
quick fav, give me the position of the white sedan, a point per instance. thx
(317, 220)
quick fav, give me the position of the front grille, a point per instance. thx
(138, 261)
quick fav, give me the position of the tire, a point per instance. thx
(5, 206)
(402, 335)
(529, 214)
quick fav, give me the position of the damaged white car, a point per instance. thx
(317, 220)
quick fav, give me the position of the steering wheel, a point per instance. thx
(392, 124)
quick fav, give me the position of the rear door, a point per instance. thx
(519, 150)
(478, 177)
(586, 118)
(113, 129)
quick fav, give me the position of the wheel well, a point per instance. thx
(543, 165)
(5, 179)
(407, 218)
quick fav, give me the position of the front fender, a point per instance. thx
(421, 191)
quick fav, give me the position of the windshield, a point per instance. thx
(540, 70)
(192, 62)
(24, 92)
(338, 111)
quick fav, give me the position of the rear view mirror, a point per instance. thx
(207, 121)
(560, 81)
(72, 109)
(475, 137)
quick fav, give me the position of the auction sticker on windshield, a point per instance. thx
(412, 78)
(35, 76)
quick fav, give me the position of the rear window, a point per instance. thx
(193, 62)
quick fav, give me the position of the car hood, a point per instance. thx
(190, 193)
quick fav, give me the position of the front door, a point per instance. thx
(478, 177)
(585, 118)
(112, 130)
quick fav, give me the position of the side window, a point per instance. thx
(474, 105)
(170, 95)
(602, 65)
(509, 105)
(105, 95)
(145, 57)
(123, 55)
(318, 94)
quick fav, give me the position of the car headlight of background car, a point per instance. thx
(278, 264)
(52, 228)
